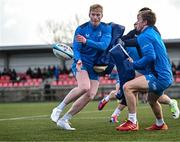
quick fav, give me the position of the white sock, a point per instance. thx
(117, 112)
(107, 98)
(61, 106)
(159, 122)
(132, 117)
(67, 116)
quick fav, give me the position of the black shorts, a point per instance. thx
(120, 96)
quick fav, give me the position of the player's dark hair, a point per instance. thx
(144, 9)
(149, 16)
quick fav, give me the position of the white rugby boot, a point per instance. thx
(64, 124)
(174, 109)
(55, 114)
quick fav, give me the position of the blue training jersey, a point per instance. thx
(154, 54)
(97, 40)
(133, 53)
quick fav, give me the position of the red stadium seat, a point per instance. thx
(20, 84)
(65, 82)
(10, 84)
(40, 80)
(54, 83)
(31, 83)
(5, 84)
(37, 84)
(15, 84)
(177, 80)
(178, 74)
(26, 84)
(59, 83)
(103, 81)
(113, 81)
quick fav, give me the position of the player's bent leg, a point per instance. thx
(117, 112)
(155, 105)
(83, 86)
(114, 119)
(73, 94)
(106, 99)
(130, 88)
(102, 104)
(164, 99)
(83, 82)
(80, 103)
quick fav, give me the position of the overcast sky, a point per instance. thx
(20, 19)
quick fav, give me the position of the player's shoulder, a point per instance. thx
(84, 25)
(105, 24)
(106, 27)
(81, 28)
(146, 33)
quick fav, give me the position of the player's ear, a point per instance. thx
(89, 14)
(145, 22)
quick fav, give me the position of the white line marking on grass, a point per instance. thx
(23, 118)
(44, 116)
(90, 118)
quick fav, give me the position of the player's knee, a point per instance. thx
(126, 88)
(84, 88)
(151, 101)
(91, 96)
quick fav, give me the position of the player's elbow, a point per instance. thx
(104, 46)
(151, 58)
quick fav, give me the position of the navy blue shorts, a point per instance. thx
(155, 85)
(120, 96)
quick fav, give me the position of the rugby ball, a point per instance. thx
(62, 51)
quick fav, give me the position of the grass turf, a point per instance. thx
(30, 122)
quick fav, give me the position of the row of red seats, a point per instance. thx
(4, 78)
(20, 84)
(177, 77)
(72, 81)
(65, 82)
(30, 82)
(178, 73)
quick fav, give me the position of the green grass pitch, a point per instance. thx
(31, 122)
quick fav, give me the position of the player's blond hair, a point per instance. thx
(96, 7)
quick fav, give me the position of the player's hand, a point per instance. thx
(81, 39)
(79, 65)
(130, 60)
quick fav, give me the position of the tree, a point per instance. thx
(59, 32)
(53, 31)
